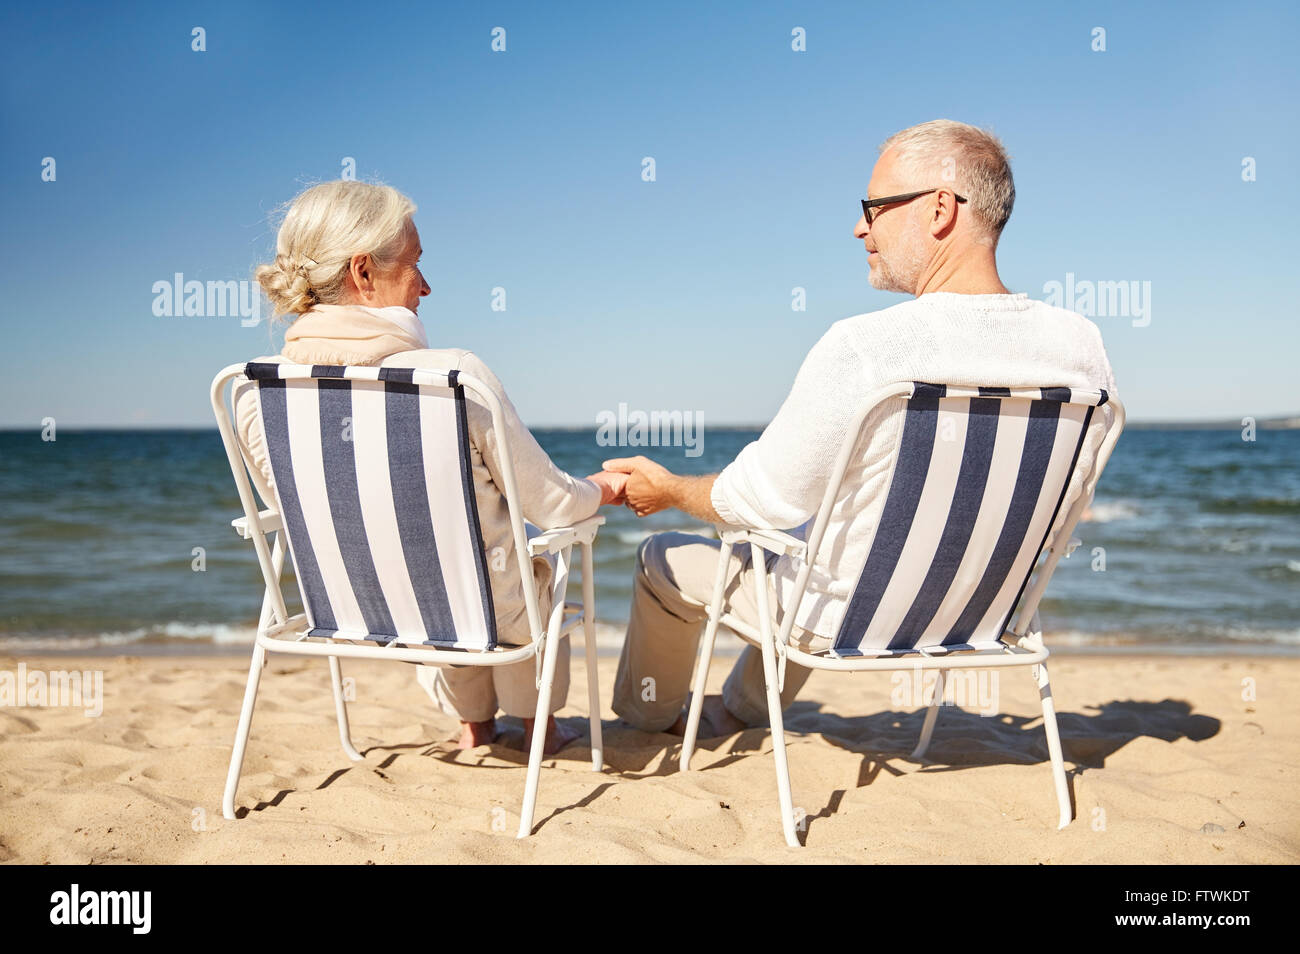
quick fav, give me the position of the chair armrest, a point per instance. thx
(774, 541)
(1067, 548)
(555, 540)
(269, 519)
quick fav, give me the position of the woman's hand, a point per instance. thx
(652, 487)
(611, 486)
(648, 486)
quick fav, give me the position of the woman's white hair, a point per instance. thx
(323, 228)
(970, 161)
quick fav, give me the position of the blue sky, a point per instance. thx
(526, 166)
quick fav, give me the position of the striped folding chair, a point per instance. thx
(374, 499)
(978, 478)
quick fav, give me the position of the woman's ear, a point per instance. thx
(361, 271)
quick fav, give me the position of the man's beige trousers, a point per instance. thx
(675, 573)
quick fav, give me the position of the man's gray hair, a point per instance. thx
(970, 161)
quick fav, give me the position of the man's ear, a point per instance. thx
(945, 213)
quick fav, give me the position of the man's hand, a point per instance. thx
(649, 486)
(611, 486)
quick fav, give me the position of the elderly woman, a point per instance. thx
(347, 274)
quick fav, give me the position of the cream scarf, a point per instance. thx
(352, 334)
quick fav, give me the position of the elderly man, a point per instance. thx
(939, 197)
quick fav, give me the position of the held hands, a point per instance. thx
(611, 486)
(647, 486)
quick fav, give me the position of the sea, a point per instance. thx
(119, 541)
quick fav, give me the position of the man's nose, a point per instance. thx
(860, 230)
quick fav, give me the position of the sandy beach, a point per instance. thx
(1157, 748)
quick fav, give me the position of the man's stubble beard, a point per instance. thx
(902, 271)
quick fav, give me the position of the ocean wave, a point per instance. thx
(1105, 511)
(609, 637)
(1286, 637)
(1266, 506)
(218, 634)
(64, 643)
(1076, 637)
(1226, 635)
(634, 537)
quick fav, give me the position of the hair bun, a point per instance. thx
(287, 285)
(323, 228)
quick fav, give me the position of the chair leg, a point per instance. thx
(550, 650)
(778, 748)
(705, 658)
(931, 716)
(539, 738)
(593, 674)
(241, 732)
(1039, 673)
(341, 709)
(774, 700)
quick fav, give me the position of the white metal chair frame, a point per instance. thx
(278, 632)
(1028, 648)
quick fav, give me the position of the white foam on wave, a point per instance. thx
(1288, 637)
(634, 537)
(1106, 511)
(1225, 635)
(609, 638)
(1075, 637)
(1293, 566)
(39, 644)
(221, 634)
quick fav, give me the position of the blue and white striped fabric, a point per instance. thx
(978, 481)
(372, 477)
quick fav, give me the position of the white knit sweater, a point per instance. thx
(777, 482)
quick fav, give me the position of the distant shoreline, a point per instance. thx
(1267, 424)
(1283, 423)
(242, 650)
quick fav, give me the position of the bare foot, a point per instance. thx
(474, 734)
(557, 736)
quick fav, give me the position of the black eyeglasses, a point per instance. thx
(868, 205)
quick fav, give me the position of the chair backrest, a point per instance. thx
(978, 480)
(374, 485)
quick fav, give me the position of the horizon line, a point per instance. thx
(1292, 421)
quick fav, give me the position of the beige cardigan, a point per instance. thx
(339, 334)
